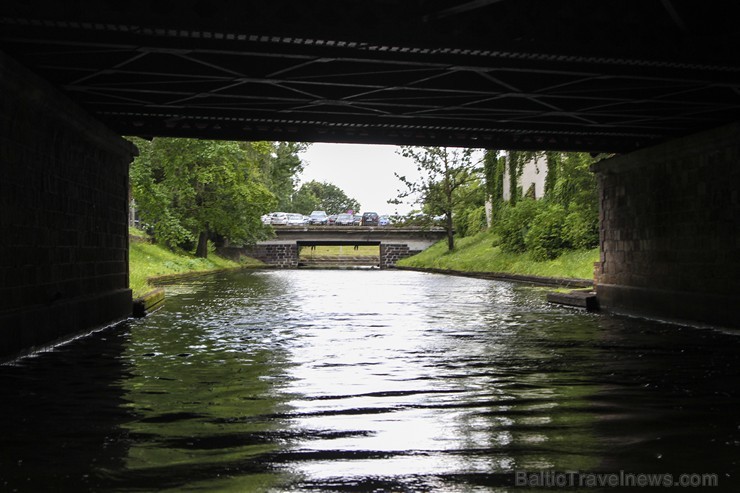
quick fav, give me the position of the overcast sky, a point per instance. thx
(364, 172)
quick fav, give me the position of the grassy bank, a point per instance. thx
(477, 253)
(147, 260)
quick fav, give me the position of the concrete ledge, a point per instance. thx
(38, 328)
(148, 303)
(577, 299)
(154, 300)
(165, 279)
(672, 306)
(341, 261)
(503, 276)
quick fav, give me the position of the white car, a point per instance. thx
(279, 219)
(295, 219)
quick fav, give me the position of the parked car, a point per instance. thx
(318, 217)
(384, 221)
(278, 218)
(331, 220)
(295, 219)
(265, 219)
(357, 220)
(344, 220)
(370, 219)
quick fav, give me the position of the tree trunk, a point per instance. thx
(202, 250)
(450, 234)
(489, 211)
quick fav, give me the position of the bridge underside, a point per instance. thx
(614, 76)
(526, 74)
(393, 243)
(311, 243)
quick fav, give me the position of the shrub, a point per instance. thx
(545, 229)
(544, 239)
(470, 221)
(581, 231)
(513, 224)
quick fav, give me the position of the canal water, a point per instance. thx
(372, 380)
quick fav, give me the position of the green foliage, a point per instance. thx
(147, 260)
(513, 225)
(566, 218)
(448, 178)
(553, 163)
(475, 254)
(493, 178)
(153, 198)
(279, 165)
(470, 221)
(469, 212)
(190, 188)
(495, 169)
(322, 196)
(572, 183)
(516, 161)
(580, 229)
(544, 238)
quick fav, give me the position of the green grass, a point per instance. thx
(477, 253)
(147, 260)
(345, 250)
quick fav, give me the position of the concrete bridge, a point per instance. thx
(658, 83)
(394, 243)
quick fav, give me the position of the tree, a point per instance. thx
(279, 168)
(493, 169)
(190, 189)
(322, 196)
(469, 214)
(445, 173)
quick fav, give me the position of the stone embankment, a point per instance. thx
(339, 261)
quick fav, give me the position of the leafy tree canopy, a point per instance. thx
(190, 189)
(322, 196)
(280, 166)
(446, 179)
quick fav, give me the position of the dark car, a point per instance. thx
(344, 220)
(318, 217)
(370, 219)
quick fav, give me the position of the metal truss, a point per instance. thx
(173, 77)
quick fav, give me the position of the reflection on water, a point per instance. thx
(367, 381)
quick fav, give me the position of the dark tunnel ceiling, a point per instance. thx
(503, 74)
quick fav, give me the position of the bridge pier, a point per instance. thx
(670, 230)
(390, 253)
(63, 216)
(284, 255)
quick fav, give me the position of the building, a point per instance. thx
(532, 178)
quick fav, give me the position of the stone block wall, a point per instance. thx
(391, 253)
(63, 216)
(670, 229)
(284, 255)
